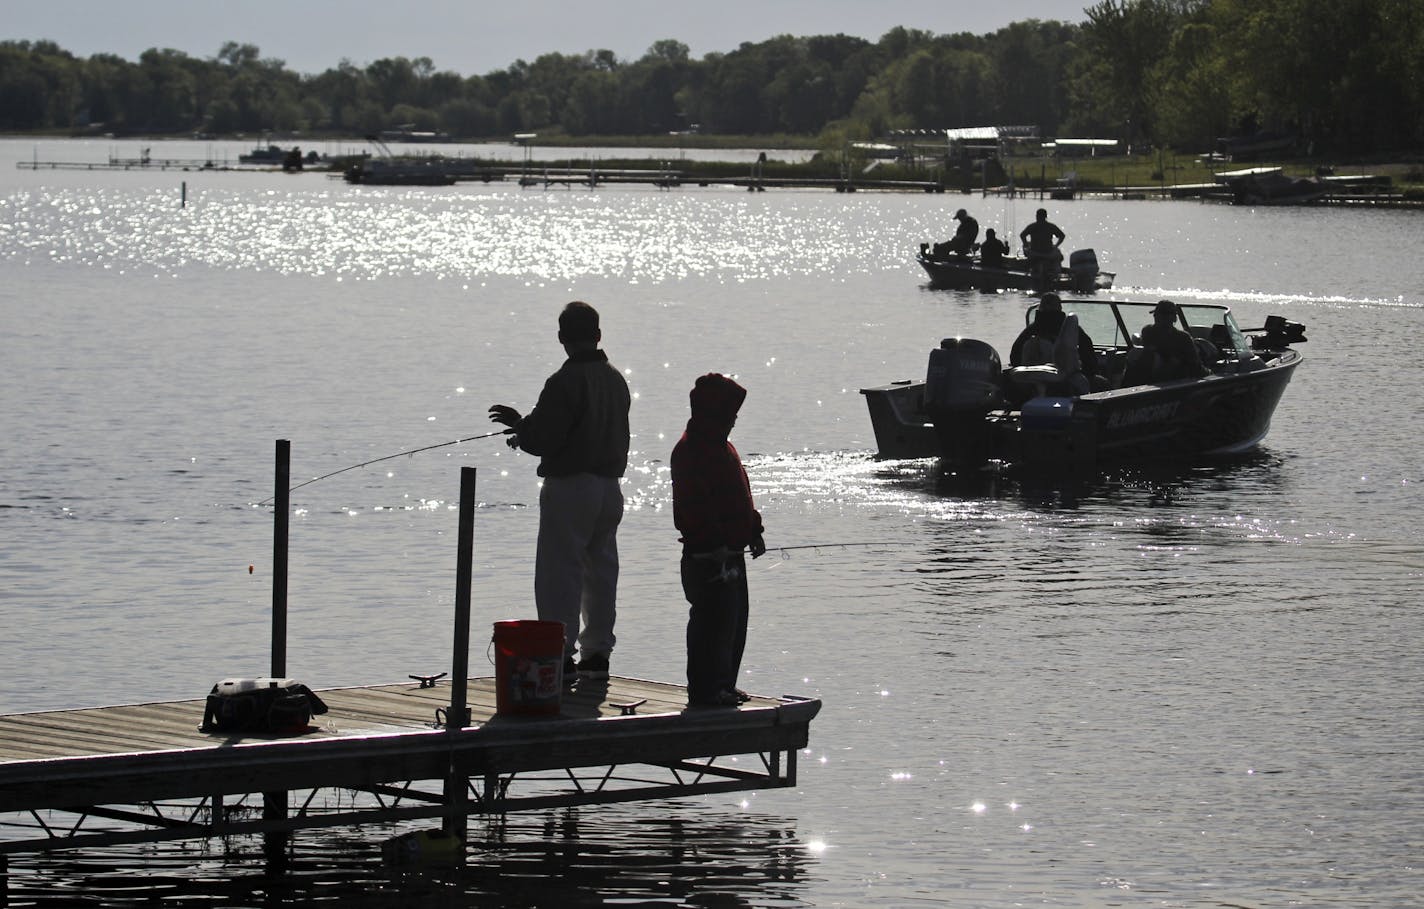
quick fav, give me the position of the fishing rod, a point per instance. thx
(836, 545)
(399, 454)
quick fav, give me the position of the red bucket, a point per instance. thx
(528, 667)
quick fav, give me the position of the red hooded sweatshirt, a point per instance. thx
(711, 498)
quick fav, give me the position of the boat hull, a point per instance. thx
(1275, 189)
(963, 273)
(379, 173)
(1213, 416)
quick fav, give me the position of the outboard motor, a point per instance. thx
(962, 384)
(1280, 332)
(1083, 266)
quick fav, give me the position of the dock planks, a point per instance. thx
(373, 737)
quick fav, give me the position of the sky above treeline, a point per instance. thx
(473, 38)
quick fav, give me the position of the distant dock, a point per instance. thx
(144, 162)
(668, 178)
(563, 176)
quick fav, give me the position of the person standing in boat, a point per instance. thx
(992, 251)
(1041, 240)
(579, 430)
(712, 508)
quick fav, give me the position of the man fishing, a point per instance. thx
(579, 430)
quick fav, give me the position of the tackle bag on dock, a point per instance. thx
(260, 705)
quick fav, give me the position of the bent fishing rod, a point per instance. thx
(399, 454)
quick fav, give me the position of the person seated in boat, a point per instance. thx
(992, 251)
(1168, 352)
(1053, 338)
(1034, 345)
(962, 243)
(1041, 240)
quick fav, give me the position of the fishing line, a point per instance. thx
(399, 454)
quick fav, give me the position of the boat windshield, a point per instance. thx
(1109, 324)
(1119, 323)
(1216, 325)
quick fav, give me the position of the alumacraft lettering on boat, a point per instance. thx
(1153, 413)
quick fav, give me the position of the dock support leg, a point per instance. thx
(456, 785)
(274, 804)
(457, 822)
(281, 513)
(275, 842)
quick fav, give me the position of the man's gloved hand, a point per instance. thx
(757, 547)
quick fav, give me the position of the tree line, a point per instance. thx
(1343, 78)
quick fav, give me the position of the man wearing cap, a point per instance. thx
(579, 430)
(1175, 352)
(962, 243)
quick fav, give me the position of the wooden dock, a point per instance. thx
(417, 749)
(144, 772)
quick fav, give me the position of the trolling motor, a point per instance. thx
(1279, 332)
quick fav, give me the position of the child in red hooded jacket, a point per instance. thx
(712, 509)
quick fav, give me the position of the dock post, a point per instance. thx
(274, 804)
(456, 784)
(280, 514)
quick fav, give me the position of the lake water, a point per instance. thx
(1178, 687)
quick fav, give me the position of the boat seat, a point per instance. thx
(1207, 347)
(1024, 382)
(1031, 375)
(1208, 352)
(1221, 337)
(1138, 370)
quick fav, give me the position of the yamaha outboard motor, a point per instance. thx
(1083, 266)
(962, 384)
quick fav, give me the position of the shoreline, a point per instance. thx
(1140, 177)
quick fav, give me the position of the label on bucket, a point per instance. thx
(529, 665)
(533, 680)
